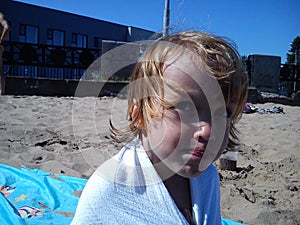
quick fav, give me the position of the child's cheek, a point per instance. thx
(157, 133)
(164, 138)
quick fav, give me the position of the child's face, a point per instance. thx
(180, 138)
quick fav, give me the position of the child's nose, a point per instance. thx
(203, 132)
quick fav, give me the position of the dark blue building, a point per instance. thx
(54, 44)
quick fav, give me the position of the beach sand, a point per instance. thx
(69, 135)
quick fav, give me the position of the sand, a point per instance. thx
(69, 135)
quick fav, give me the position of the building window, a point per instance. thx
(28, 34)
(55, 37)
(97, 42)
(79, 40)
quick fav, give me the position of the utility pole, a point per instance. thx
(166, 18)
(296, 63)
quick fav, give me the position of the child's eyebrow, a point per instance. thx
(179, 94)
(172, 100)
(175, 93)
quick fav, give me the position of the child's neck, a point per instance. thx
(179, 189)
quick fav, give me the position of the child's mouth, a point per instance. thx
(198, 153)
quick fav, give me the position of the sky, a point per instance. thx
(256, 26)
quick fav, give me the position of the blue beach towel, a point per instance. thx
(37, 197)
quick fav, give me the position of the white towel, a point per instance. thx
(127, 190)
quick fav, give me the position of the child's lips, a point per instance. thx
(198, 153)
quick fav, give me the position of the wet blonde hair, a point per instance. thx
(218, 57)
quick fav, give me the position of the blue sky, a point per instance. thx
(256, 26)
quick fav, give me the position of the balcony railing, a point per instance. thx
(45, 61)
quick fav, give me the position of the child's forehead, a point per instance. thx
(188, 63)
(186, 75)
(179, 84)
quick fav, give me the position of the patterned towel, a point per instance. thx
(37, 197)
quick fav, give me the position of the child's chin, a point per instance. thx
(189, 172)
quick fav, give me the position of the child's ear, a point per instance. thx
(134, 110)
(134, 113)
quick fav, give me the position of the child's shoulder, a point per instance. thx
(209, 176)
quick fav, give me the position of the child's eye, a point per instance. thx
(184, 106)
(221, 113)
(228, 114)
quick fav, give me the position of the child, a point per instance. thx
(4, 32)
(187, 92)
